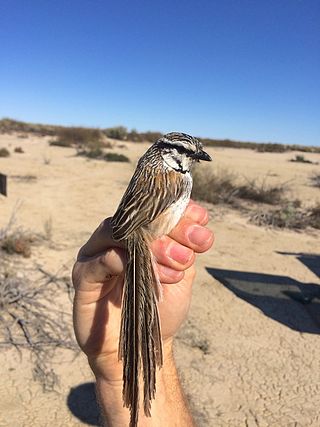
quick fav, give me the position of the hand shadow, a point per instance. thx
(83, 404)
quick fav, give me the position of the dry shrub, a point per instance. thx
(261, 192)
(31, 317)
(213, 187)
(315, 179)
(288, 215)
(18, 242)
(78, 136)
(314, 216)
(271, 148)
(222, 187)
(24, 178)
(4, 152)
(18, 150)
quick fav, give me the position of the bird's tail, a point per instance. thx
(140, 344)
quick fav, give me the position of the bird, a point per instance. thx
(153, 203)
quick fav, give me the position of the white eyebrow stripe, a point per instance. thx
(179, 143)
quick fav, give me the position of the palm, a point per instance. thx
(99, 313)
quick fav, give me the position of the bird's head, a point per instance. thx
(180, 151)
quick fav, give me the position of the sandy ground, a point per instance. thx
(249, 354)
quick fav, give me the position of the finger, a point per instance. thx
(100, 241)
(193, 236)
(168, 275)
(98, 269)
(197, 213)
(172, 254)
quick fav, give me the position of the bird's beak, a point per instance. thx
(202, 155)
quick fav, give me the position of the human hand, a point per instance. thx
(98, 280)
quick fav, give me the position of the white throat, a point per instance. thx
(178, 162)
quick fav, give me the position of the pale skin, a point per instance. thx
(98, 280)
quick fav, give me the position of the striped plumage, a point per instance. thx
(152, 205)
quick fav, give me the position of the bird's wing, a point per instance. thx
(147, 196)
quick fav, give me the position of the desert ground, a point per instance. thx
(249, 353)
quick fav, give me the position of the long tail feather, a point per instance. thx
(140, 337)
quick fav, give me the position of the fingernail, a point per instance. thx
(199, 235)
(197, 213)
(180, 253)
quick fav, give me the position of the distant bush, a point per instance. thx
(299, 158)
(118, 132)
(222, 187)
(143, 136)
(9, 125)
(60, 143)
(115, 157)
(271, 148)
(121, 133)
(18, 150)
(4, 152)
(77, 136)
(98, 154)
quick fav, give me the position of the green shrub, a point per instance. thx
(115, 157)
(60, 143)
(97, 153)
(118, 132)
(299, 158)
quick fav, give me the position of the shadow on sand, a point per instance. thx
(83, 404)
(288, 301)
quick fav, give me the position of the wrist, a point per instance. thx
(168, 405)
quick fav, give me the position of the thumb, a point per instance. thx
(91, 273)
(99, 260)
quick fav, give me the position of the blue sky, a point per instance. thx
(238, 69)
